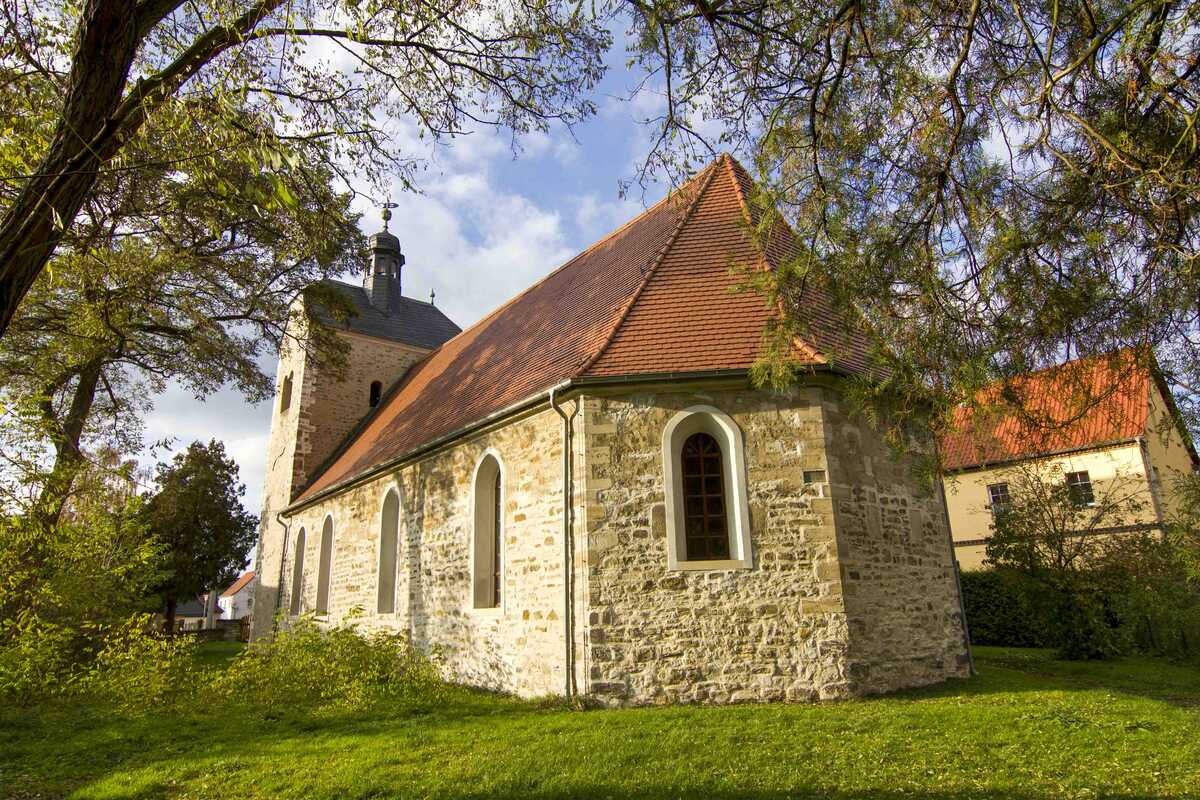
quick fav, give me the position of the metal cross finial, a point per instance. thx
(387, 213)
(431, 296)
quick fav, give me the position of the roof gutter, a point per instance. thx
(533, 400)
(985, 465)
(391, 463)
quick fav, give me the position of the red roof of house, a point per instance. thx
(655, 296)
(1085, 403)
(239, 584)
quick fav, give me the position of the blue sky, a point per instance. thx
(485, 226)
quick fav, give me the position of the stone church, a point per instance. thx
(583, 494)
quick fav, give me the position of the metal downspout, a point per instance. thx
(570, 689)
(1148, 470)
(287, 533)
(962, 606)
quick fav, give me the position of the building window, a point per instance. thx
(706, 532)
(376, 393)
(285, 394)
(324, 566)
(487, 567)
(1079, 488)
(814, 476)
(389, 544)
(998, 499)
(297, 574)
(708, 520)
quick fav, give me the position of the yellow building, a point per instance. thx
(1106, 424)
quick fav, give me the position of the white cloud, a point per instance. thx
(475, 239)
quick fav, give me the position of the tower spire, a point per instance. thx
(387, 213)
(382, 278)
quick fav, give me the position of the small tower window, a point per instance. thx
(285, 394)
(376, 393)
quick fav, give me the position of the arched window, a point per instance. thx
(708, 518)
(706, 530)
(487, 567)
(389, 532)
(285, 394)
(297, 574)
(324, 567)
(376, 393)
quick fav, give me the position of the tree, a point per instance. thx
(1061, 537)
(985, 187)
(197, 517)
(174, 271)
(62, 590)
(1049, 528)
(120, 72)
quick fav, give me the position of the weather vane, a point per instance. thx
(387, 213)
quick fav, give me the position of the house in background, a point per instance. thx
(196, 613)
(236, 601)
(1107, 423)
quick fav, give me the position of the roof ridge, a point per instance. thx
(732, 165)
(653, 268)
(606, 237)
(728, 161)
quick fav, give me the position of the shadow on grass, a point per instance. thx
(469, 745)
(1172, 683)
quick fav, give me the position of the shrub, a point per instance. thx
(1007, 609)
(137, 668)
(338, 666)
(1140, 606)
(64, 586)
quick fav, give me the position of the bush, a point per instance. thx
(339, 666)
(1006, 608)
(1105, 612)
(138, 668)
(64, 587)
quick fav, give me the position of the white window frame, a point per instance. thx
(719, 425)
(328, 577)
(379, 549)
(991, 503)
(475, 542)
(296, 601)
(1091, 486)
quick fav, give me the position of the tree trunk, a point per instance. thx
(105, 46)
(170, 624)
(97, 119)
(67, 455)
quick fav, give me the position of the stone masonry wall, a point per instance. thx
(519, 648)
(323, 410)
(801, 623)
(897, 563)
(777, 631)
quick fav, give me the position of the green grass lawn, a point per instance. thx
(1026, 727)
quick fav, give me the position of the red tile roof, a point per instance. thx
(1086, 403)
(655, 296)
(239, 584)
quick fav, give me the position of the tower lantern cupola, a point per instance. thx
(382, 280)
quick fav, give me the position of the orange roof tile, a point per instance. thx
(1081, 404)
(239, 584)
(655, 296)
